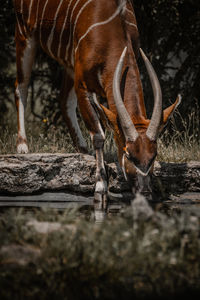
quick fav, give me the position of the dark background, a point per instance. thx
(169, 34)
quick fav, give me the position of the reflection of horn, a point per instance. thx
(152, 130)
(128, 127)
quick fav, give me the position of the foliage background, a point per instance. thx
(169, 34)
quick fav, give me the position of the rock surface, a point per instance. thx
(40, 172)
(36, 173)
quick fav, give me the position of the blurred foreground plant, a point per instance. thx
(63, 255)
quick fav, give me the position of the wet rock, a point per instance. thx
(168, 178)
(36, 173)
(26, 174)
(177, 177)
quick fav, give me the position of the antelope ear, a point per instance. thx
(168, 112)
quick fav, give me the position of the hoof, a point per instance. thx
(22, 148)
(81, 147)
(100, 191)
(98, 197)
(101, 187)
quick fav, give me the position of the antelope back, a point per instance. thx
(61, 26)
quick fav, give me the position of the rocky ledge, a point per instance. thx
(35, 173)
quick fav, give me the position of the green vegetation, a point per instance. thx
(184, 145)
(139, 255)
(173, 146)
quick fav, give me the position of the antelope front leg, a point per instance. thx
(101, 177)
(97, 135)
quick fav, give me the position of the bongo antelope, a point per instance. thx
(97, 42)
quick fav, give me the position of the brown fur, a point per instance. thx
(97, 53)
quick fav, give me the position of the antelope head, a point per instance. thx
(137, 144)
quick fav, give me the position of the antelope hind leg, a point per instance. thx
(25, 53)
(68, 104)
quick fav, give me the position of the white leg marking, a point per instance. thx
(120, 7)
(71, 112)
(96, 102)
(94, 97)
(100, 187)
(21, 94)
(101, 184)
(98, 123)
(22, 90)
(100, 78)
(22, 148)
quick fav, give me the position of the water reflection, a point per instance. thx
(98, 210)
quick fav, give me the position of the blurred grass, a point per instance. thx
(182, 142)
(43, 137)
(140, 255)
(175, 145)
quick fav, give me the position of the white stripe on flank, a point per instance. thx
(70, 34)
(37, 12)
(29, 11)
(130, 11)
(131, 24)
(50, 39)
(18, 25)
(76, 20)
(120, 7)
(42, 20)
(63, 28)
(21, 10)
